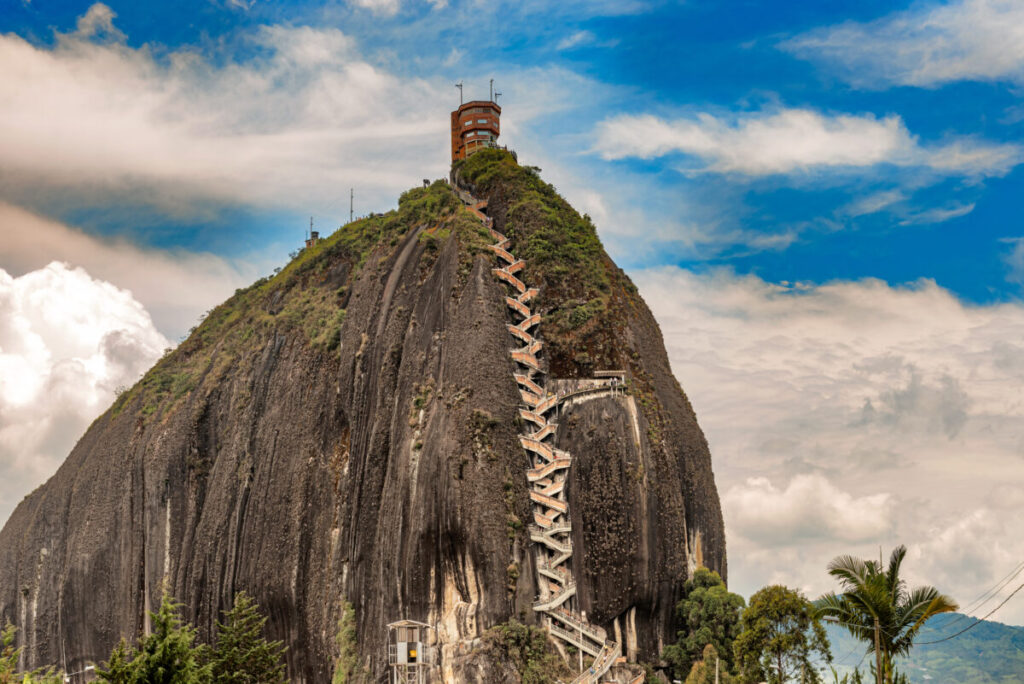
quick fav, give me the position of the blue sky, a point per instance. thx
(820, 202)
(740, 62)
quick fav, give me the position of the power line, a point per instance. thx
(987, 596)
(975, 624)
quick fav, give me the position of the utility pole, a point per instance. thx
(878, 655)
(351, 202)
(459, 86)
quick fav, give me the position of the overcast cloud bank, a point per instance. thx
(853, 414)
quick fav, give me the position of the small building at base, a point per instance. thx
(409, 656)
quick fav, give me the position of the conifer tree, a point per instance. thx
(119, 669)
(168, 655)
(242, 655)
(9, 655)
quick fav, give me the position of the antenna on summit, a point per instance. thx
(496, 96)
(492, 90)
(459, 86)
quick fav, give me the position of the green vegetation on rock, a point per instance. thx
(562, 253)
(528, 651)
(308, 295)
(346, 665)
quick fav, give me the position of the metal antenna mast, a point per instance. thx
(492, 90)
(310, 227)
(459, 86)
(496, 96)
(351, 202)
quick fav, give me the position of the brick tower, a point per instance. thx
(475, 125)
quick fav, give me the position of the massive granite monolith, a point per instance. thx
(346, 431)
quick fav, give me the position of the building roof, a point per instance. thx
(479, 103)
(409, 623)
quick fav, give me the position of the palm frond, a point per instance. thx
(851, 571)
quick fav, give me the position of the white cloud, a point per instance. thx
(577, 39)
(1015, 259)
(846, 415)
(874, 203)
(98, 21)
(174, 286)
(810, 507)
(67, 342)
(291, 127)
(798, 140)
(379, 6)
(928, 45)
(938, 214)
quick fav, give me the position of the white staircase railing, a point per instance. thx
(552, 529)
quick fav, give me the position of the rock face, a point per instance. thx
(347, 431)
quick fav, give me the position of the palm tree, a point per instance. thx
(877, 607)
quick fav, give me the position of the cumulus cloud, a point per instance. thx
(302, 117)
(98, 21)
(798, 140)
(928, 45)
(174, 286)
(67, 342)
(847, 415)
(810, 507)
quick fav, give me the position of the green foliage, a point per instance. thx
(119, 669)
(876, 606)
(848, 678)
(306, 296)
(703, 671)
(169, 655)
(708, 614)
(526, 649)
(9, 655)
(347, 663)
(780, 638)
(242, 655)
(562, 251)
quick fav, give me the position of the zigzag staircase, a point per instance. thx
(551, 529)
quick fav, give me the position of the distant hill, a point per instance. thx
(989, 653)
